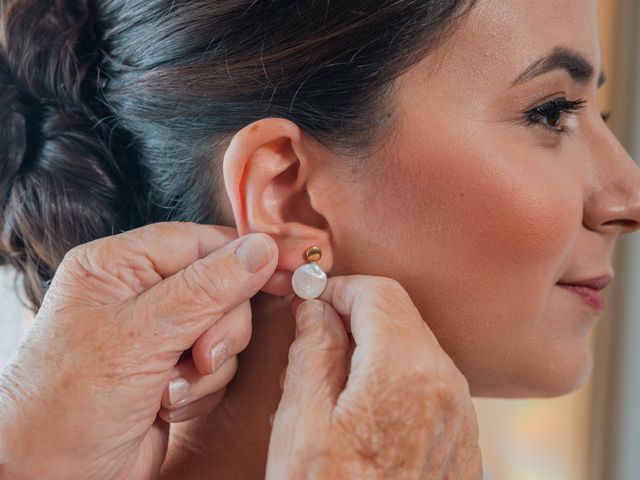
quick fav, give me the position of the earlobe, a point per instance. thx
(268, 170)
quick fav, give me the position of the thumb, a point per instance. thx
(183, 306)
(318, 358)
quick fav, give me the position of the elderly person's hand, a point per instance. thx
(384, 402)
(81, 397)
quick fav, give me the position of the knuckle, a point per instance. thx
(449, 392)
(145, 234)
(104, 251)
(75, 255)
(310, 354)
(296, 352)
(157, 230)
(208, 288)
(299, 352)
(390, 283)
(390, 300)
(72, 254)
(76, 264)
(193, 284)
(463, 386)
(386, 290)
(386, 284)
(150, 234)
(436, 383)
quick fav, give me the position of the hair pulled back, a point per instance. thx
(112, 110)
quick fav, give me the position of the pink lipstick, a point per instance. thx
(589, 290)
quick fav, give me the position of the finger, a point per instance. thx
(183, 306)
(376, 308)
(196, 409)
(146, 255)
(392, 341)
(188, 385)
(317, 369)
(297, 301)
(228, 337)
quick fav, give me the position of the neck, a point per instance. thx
(233, 440)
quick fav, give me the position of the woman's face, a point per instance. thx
(479, 210)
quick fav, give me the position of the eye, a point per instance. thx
(553, 114)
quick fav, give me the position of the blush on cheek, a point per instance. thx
(478, 240)
(489, 216)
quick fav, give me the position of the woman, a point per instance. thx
(453, 146)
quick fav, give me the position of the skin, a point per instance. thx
(475, 213)
(525, 207)
(510, 209)
(149, 294)
(341, 414)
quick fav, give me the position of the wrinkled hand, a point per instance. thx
(384, 402)
(81, 397)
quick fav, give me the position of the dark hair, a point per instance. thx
(111, 110)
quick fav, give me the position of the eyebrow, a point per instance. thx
(574, 63)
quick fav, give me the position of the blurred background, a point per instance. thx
(593, 434)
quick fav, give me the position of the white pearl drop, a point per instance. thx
(309, 281)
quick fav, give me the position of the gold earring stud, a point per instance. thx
(313, 254)
(309, 280)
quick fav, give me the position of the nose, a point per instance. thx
(612, 204)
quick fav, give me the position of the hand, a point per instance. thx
(398, 408)
(81, 397)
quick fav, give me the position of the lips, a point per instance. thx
(589, 290)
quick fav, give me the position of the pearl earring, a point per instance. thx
(309, 280)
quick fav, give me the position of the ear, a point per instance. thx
(269, 170)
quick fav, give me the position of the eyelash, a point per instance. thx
(559, 108)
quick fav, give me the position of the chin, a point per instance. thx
(576, 373)
(557, 373)
(565, 372)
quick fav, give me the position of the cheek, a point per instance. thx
(478, 238)
(491, 220)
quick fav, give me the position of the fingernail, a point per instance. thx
(255, 252)
(178, 390)
(219, 355)
(309, 312)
